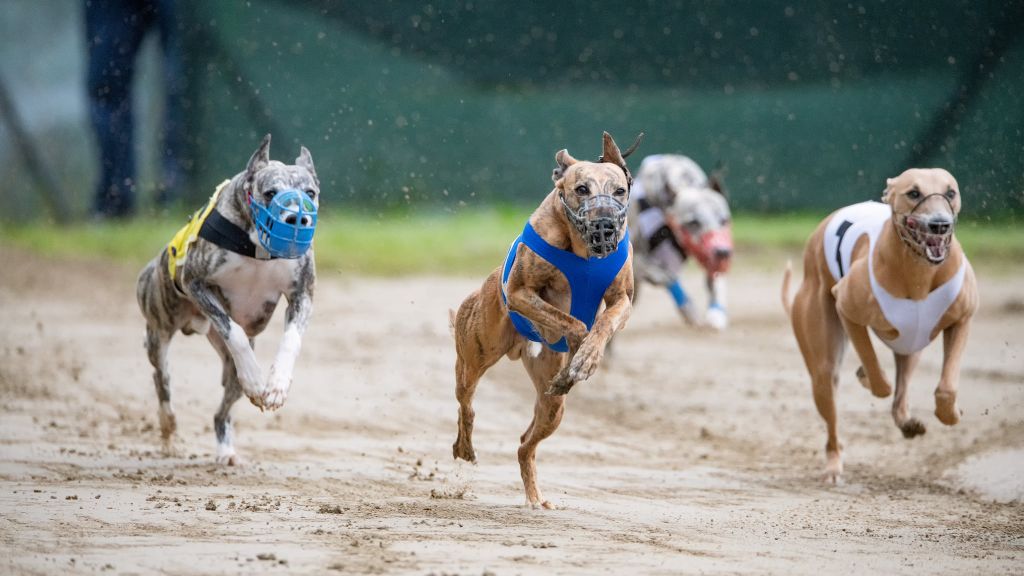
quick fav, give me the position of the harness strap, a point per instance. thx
(227, 235)
(665, 234)
(588, 280)
(841, 232)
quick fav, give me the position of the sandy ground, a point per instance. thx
(691, 452)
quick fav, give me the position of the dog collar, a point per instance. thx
(227, 235)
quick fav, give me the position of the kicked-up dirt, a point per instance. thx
(690, 452)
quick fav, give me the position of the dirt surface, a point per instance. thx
(691, 452)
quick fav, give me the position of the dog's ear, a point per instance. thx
(887, 192)
(305, 160)
(259, 159)
(610, 153)
(562, 160)
(716, 181)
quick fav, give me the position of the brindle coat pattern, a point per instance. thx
(825, 313)
(236, 296)
(537, 290)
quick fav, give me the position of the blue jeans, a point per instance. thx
(115, 30)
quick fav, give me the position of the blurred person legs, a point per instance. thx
(115, 30)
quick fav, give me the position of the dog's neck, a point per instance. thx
(906, 274)
(234, 205)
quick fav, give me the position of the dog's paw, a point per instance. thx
(833, 468)
(946, 409)
(274, 396)
(878, 389)
(862, 377)
(256, 400)
(168, 422)
(227, 457)
(561, 384)
(169, 449)
(541, 505)
(464, 449)
(912, 427)
(717, 319)
(585, 363)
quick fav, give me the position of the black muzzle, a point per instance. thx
(599, 220)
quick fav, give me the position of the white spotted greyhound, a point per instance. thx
(677, 212)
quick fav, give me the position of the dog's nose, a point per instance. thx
(939, 225)
(723, 253)
(291, 219)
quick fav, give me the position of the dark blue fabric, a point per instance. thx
(588, 280)
(114, 31)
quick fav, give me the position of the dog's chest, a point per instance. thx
(252, 286)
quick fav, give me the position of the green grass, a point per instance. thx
(466, 243)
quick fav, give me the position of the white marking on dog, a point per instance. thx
(534, 349)
(245, 360)
(280, 378)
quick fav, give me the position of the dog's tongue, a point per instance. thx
(936, 248)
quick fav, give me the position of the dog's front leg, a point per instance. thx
(300, 307)
(585, 360)
(872, 370)
(527, 301)
(717, 317)
(588, 357)
(234, 336)
(954, 339)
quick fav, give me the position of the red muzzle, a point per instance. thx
(713, 249)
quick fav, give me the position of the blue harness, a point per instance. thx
(588, 281)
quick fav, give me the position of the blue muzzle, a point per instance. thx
(285, 226)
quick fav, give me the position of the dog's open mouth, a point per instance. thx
(933, 247)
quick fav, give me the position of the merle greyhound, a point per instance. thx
(217, 272)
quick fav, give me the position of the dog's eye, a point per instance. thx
(269, 194)
(950, 193)
(914, 194)
(311, 193)
(620, 191)
(582, 190)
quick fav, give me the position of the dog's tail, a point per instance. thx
(787, 302)
(451, 322)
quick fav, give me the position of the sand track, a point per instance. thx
(690, 452)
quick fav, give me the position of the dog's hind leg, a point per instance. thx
(547, 415)
(232, 392)
(822, 342)
(483, 334)
(905, 365)
(157, 342)
(467, 376)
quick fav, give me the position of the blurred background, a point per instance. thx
(446, 105)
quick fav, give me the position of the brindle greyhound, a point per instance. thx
(896, 268)
(566, 287)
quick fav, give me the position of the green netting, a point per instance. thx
(456, 103)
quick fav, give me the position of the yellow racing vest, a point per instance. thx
(177, 248)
